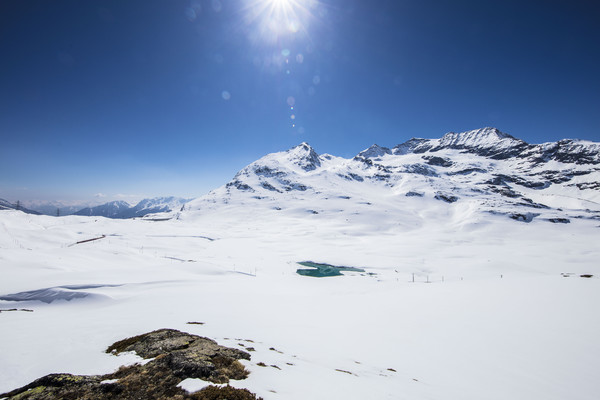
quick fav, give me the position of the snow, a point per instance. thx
(496, 321)
(192, 385)
(457, 301)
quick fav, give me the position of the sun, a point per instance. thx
(279, 2)
(276, 18)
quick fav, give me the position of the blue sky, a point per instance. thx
(136, 99)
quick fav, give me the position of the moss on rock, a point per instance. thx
(177, 356)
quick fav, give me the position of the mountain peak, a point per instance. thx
(489, 142)
(302, 147)
(483, 137)
(374, 151)
(304, 156)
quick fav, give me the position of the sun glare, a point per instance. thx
(278, 2)
(276, 18)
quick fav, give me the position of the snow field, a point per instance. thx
(503, 323)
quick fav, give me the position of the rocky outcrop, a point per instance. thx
(305, 157)
(175, 356)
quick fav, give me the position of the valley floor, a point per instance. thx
(498, 308)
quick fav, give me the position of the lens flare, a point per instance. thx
(279, 31)
(274, 19)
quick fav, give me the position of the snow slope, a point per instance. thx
(458, 299)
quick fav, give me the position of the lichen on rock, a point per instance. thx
(175, 356)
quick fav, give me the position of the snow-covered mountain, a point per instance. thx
(155, 205)
(484, 171)
(122, 209)
(473, 267)
(112, 209)
(51, 207)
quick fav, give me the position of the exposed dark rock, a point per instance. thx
(356, 177)
(268, 172)
(413, 194)
(421, 169)
(383, 169)
(565, 151)
(588, 185)
(505, 191)
(381, 177)
(239, 185)
(289, 186)
(561, 176)
(364, 160)
(448, 198)
(504, 179)
(154, 343)
(437, 161)
(559, 220)
(468, 171)
(530, 203)
(527, 217)
(270, 187)
(177, 356)
(188, 356)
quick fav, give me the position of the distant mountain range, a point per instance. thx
(7, 205)
(481, 171)
(113, 209)
(478, 172)
(53, 207)
(122, 209)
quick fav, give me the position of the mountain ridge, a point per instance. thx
(485, 168)
(122, 210)
(7, 205)
(118, 209)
